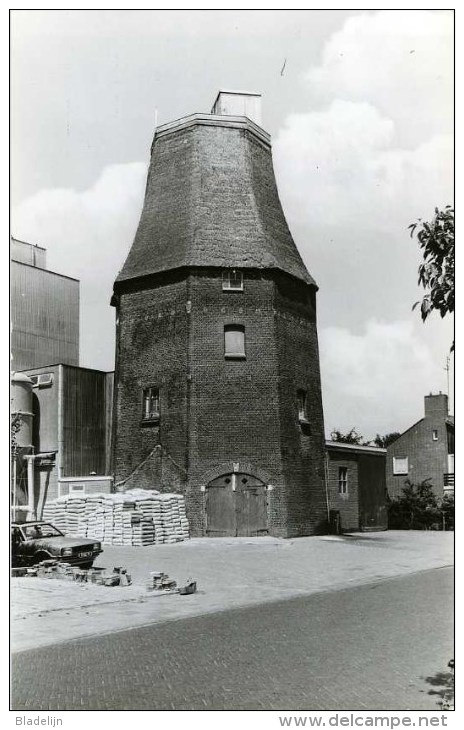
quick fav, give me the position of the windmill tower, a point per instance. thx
(218, 391)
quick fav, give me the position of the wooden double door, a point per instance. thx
(236, 506)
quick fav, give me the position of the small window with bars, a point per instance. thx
(232, 280)
(343, 480)
(151, 404)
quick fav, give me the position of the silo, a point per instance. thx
(21, 441)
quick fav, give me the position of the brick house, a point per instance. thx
(356, 486)
(424, 451)
(218, 392)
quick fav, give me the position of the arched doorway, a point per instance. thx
(236, 506)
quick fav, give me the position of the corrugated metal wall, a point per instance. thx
(27, 253)
(45, 317)
(84, 422)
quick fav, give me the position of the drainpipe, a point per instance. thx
(30, 458)
(326, 483)
(14, 487)
(59, 467)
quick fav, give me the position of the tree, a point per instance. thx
(416, 509)
(383, 441)
(436, 272)
(352, 437)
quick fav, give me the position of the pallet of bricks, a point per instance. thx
(137, 517)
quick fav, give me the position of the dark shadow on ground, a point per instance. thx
(444, 683)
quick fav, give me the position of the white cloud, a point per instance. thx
(341, 165)
(372, 153)
(374, 150)
(88, 235)
(401, 61)
(376, 376)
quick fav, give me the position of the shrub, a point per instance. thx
(416, 509)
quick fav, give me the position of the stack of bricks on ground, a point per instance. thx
(137, 517)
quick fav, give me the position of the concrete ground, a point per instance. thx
(230, 573)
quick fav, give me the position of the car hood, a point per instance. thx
(56, 543)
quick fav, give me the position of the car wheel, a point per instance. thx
(38, 557)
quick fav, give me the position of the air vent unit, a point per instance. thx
(44, 380)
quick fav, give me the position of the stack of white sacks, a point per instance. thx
(136, 517)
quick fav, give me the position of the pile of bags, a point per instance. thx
(137, 517)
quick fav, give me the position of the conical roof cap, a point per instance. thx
(211, 201)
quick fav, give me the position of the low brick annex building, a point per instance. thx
(217, 382)
(356, 487)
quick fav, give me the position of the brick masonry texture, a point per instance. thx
(363, 507)
(427, 459)
(212, 203)
(217, 412)
(346, 504)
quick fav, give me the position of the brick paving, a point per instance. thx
(231, 573)
(366, 648)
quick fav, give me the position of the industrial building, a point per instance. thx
(63, 412)
(44, 311)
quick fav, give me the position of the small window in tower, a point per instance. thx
(151, 404)
(434, 435)
(234, 341)
(343, 480)
(301, 399)
(232, 280)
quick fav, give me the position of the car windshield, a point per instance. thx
(32, 532)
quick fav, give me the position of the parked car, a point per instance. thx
(32, 542)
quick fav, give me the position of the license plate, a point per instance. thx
(86, 555)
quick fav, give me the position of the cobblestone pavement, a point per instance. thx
(376, 647)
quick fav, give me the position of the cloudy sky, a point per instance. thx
(362, 125)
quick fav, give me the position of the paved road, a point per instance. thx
(377, 647)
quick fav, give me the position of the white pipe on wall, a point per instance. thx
(30, 487)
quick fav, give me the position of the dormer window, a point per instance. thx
(151, 404)
(232, 280)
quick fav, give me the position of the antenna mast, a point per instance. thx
(447, 368)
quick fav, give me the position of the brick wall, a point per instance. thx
(152, 334)
(217, 412)
(303, 443)
(347, 504)
(427, 459)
